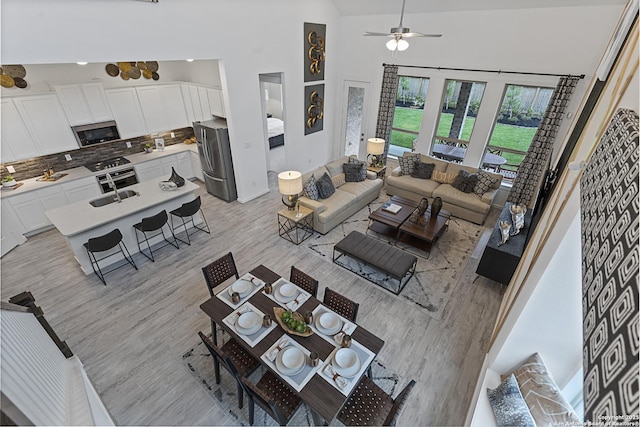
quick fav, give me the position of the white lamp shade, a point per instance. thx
(397, 44)
(375, 146)
(392, 44)
(402, 45)
(290, 183)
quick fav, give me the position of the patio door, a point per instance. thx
(352, 136)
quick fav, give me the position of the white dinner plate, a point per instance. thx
(347, 372)
(242, 287)
(284, 299)
(329, 331)
(251, 321)
(283, 369)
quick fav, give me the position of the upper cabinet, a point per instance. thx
(16, 141)
(202, 102)
(127, 112)
(216, 102)
(84, 103)
(162, 107)
(46, 122)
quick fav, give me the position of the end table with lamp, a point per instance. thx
(295, 223)
(375, 149)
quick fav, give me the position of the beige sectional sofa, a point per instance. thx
(467, 206)
(348, 198)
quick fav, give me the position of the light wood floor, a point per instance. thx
(131, 334)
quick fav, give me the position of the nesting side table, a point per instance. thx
(295, 229)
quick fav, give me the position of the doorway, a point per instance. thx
(272, 96)
(355, 95)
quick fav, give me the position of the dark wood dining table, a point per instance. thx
(323, 399)
(457, 154)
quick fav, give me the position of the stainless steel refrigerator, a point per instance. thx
(215, 157)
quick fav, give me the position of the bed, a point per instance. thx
(275, 129)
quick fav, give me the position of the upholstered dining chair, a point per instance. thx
(234, 358)
(217, 273)
(369, 405)
(303, 280)
(341, 304)
(273, 396)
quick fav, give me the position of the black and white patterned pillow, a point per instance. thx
(484, 183)
(325, 186)
(310, 188)
(363, 171)
(509, 407)
(353, 172)
(408, 163)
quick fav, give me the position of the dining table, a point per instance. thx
(323, 397)
(457, 154)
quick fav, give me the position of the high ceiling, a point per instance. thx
(385, 7)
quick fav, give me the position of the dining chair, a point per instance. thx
(369, 405)
(341, 304)
(273, 396)
(104, 245)
(234, 358)
(304, 281)
(151, 227)
(217, 273)
(188, 210)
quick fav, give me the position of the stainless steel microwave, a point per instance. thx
(96, 133)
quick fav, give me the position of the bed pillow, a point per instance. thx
(484, 183)
(508, 405)
(338, 179)
(363, 171)
(408, 163)
(423, 170)
(353, 172)
(310, 188)
(465, 181)
(443, 177)
(325, 186)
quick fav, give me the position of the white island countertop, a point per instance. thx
(79, 217)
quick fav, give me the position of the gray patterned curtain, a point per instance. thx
(387, 105)
(536, 162)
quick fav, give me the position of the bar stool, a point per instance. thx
(188, 210)
(104, 243)
(149, 225)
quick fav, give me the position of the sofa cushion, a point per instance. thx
(423, 170)
(444, 177)
(310, 189)
(363, 171)
(421, 187)
(335, 167)
(363, 190)
(325, 186)
(338, 180)
(335, 205)
(465, 181)
(508, 405)
(484, 182)
(353, 172)
(469, 201)
(408, 163)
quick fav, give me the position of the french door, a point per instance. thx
(354, 117)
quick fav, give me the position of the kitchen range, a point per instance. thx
(116, 171)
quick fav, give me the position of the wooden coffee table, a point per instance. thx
(424, 234)
(388, 223)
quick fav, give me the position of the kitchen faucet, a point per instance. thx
(115, 189)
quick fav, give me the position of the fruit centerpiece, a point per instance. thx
(292, 322)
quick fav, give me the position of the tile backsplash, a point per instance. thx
(33, 167)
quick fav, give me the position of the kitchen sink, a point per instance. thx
(107, 200)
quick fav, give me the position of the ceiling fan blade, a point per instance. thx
(414, 34)
(369, 33)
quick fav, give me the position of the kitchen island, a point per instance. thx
(80, 221)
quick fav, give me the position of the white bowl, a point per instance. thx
(329, 321)
(287, 290)
(346, 358)
(248, 320)
(292, 358)
(242, 287)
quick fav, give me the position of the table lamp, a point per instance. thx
(375, 148)
(290, 185)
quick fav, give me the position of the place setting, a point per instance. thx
(251, 324)
(286, 294)
(241, 290)
(344, 366)
(295, 364)
(330, 325)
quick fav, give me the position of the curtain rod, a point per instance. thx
(487, 71)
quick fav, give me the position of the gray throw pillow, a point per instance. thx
(310, 188)
(465, 181)
(408, 163)
(423, 170)
(325, 186)
(353, 172)
(484, 183)
(363, 171)
(508, 404)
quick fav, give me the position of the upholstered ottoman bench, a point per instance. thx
(375, 253)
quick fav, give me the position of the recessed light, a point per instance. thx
(189, 59)
(82, 63)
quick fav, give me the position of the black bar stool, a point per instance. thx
(104, 243)
(188, 210)
(149, 225)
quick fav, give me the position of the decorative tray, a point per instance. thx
(278, 313)
(56, 176)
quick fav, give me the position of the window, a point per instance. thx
(460, 105)
(412, 92)
(520, 113)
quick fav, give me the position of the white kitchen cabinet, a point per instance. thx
(205, 105)
(11, 233)
(196, 165)
(162, 107)
(84, 103)
(149, 170)
(82, 189)
(127, 112)
(52, 197)
(17, 143)
(216, 103)
(46, 122)
(181, 162)
(188, 102)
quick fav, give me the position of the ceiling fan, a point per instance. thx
(399, 35)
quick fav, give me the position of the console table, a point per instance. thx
(499, 262)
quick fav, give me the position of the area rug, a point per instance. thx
(199, 362)
(435, 279)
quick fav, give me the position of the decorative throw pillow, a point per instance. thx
(508, 404)
(465, 181)
(310, 188)
(353, 172)
(443, 177)
(338, 179)
(325, 186)
(408, 163)
(363, 171)
(423, 170)
(484, 183)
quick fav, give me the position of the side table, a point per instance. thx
(293, 228)
(380, 171)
